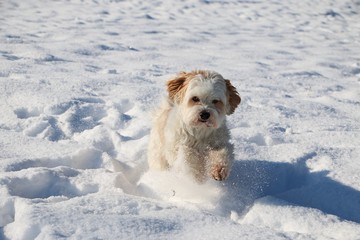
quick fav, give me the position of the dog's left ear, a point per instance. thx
(234, 97)
(174, 86)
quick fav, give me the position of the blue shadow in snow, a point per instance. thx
(293, 183)
(2, 236)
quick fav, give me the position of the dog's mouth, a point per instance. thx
(207, 123)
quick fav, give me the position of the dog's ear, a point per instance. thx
(234, 97)
(174, 86)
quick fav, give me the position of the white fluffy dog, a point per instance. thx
(190, 126)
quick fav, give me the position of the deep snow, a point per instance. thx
(79, 80)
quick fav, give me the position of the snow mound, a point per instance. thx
(180, 188)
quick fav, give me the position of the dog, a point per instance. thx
(190, 126)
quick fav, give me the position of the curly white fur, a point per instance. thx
(190, 125)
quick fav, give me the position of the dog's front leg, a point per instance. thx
(220, 163)
(195, 162)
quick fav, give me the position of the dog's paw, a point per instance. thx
(219, 172)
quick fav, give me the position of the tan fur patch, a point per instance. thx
(219, 106)
(234, 98)
(177, 86)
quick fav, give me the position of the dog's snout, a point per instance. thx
(204, 115)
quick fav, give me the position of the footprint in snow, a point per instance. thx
(63, 120)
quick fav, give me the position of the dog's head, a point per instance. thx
(204, 97)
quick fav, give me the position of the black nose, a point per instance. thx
(204, 115)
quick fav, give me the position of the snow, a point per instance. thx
(79, 81)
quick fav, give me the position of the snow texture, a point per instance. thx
(79, 81)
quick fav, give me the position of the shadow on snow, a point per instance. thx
(293, 183)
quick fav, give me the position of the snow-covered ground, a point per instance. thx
(79, 80)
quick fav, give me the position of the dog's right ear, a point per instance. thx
(175, 86)
(234, 97)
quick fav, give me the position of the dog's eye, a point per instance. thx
(195, 99)
(215, 101)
